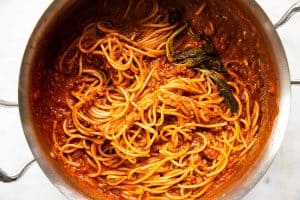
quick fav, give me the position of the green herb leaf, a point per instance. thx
(225, 91)
(205, 57)
(198, 58)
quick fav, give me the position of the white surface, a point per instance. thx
(17, 19)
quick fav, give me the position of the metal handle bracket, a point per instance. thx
(4, 103)
(4, 177)
(284, 19)
(287, 16)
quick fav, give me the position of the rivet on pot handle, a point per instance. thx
(4, 177)
(284, 19)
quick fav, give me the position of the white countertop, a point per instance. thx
(17, 19)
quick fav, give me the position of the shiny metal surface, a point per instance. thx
(287, 16)
(284, 19)
(4, 177)
(277, 54)
(73, 191)
(47, 23)
(4, 103)
(296, 82)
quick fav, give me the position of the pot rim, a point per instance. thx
(238, 190)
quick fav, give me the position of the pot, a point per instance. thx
(56, 15)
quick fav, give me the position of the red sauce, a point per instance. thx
(235, 38)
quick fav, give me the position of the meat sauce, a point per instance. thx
(235, 38)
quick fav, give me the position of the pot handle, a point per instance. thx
(4, 177)
(288, 14)
(284, 19)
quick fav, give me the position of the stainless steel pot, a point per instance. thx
(60, 10)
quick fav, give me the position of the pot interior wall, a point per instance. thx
(61, 24)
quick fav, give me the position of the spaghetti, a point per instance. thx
(145, 126)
